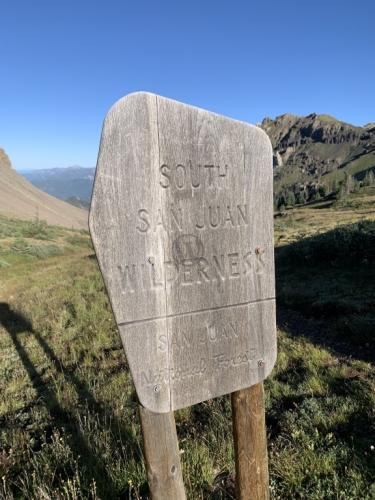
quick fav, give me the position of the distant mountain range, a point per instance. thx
(73, 184)
(309, 151)
(19, 198)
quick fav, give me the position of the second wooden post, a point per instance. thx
(250, 443)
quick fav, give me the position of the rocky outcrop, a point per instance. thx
(293, 131)
(309, 147)
(4, 160)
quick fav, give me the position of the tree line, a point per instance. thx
(337, 189)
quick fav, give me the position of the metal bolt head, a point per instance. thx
(260, 363)
(157, 388)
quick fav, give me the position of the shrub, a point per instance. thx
(301, 198)
(21, 246)
(369, 179)
(322, 190)
(80, 241)
(291, 199)
(39, 230)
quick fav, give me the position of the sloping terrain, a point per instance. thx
(19, 198)
(318, 149)
(69, 425)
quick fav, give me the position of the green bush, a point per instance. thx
(301, 198)
(291, 199)
(322, 190)
(39, 230)
(21, 246)
(80, 241)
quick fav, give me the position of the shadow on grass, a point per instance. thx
(326, 289)
(16, 324)
(358, 429)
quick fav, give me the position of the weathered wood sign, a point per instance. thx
(182, 223)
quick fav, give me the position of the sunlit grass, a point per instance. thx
(68, 409)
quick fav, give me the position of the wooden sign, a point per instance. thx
(182, 223)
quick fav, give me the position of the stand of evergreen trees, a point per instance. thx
(291, 196)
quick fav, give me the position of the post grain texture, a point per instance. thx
(162, 455)
(250, 443)
(182, 224)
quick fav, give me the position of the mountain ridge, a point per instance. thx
(310, 152)
(20, 199)
(318, 149)
(65, 183)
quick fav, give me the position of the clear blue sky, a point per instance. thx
(63, 64)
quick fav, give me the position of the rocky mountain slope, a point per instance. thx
(318, 149)
(19, 198)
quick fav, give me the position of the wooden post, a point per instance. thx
(250, 443)
(162, 455)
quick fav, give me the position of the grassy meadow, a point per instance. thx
(69, 426)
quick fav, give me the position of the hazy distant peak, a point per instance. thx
(55, 169)
(69, 167)
(64, 183)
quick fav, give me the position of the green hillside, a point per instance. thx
(318, 151)
(357, 167)
(68, 410)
